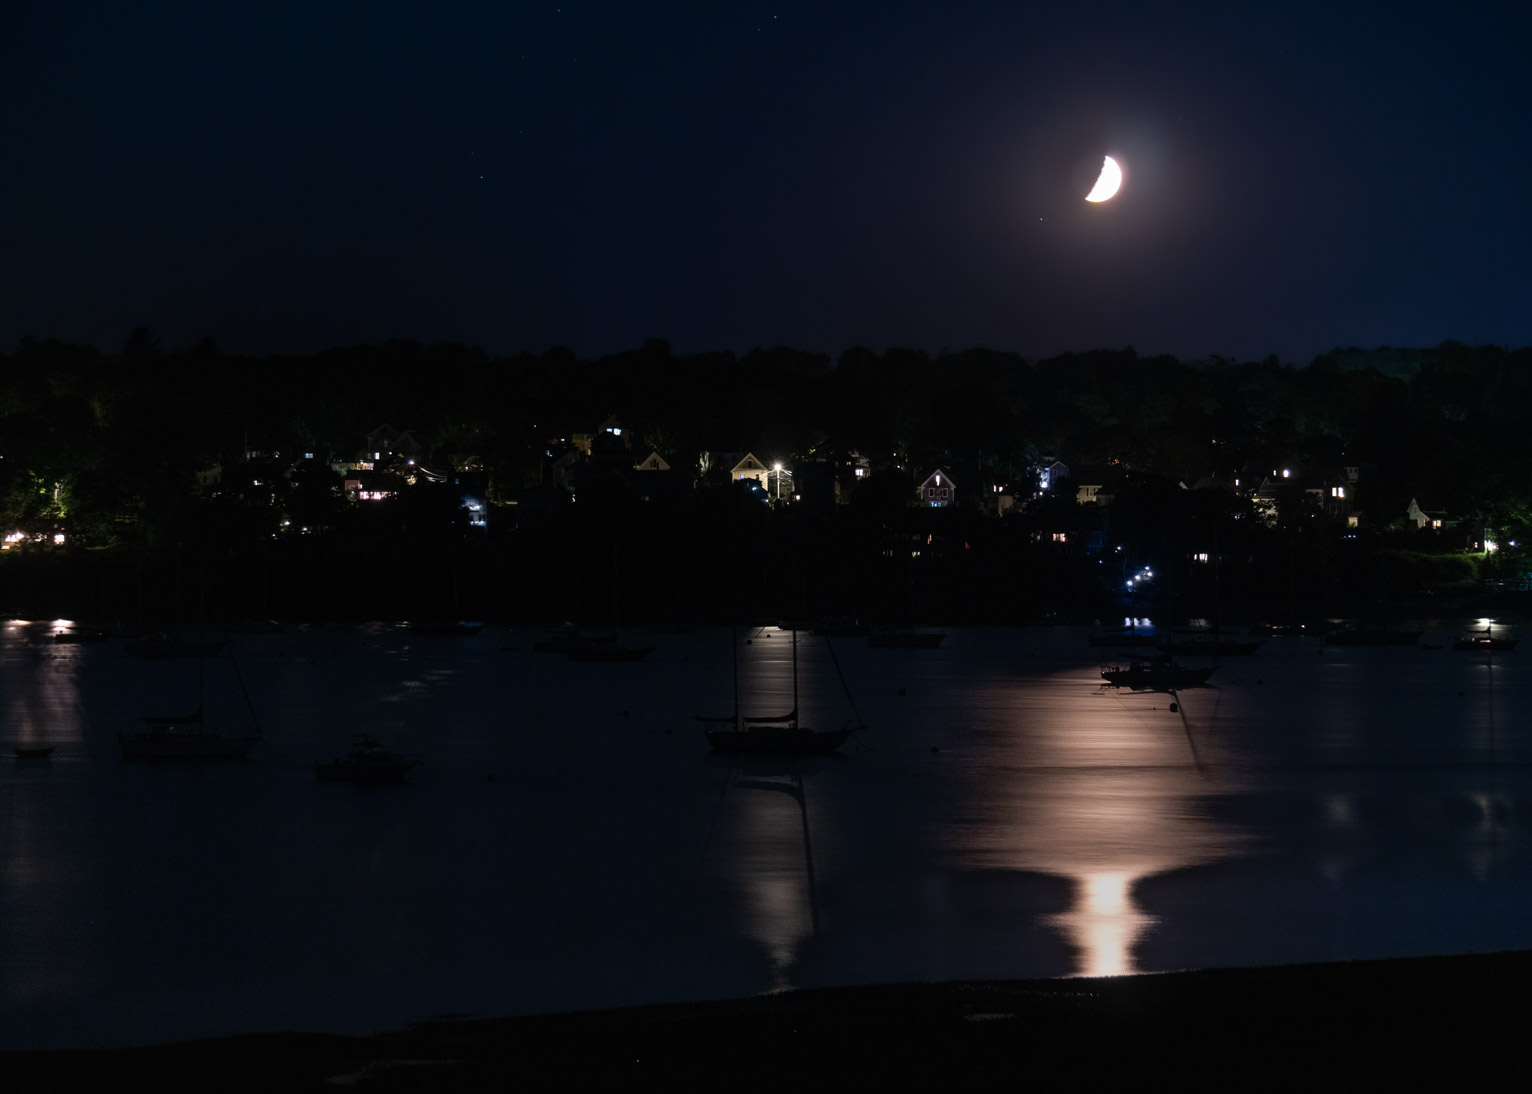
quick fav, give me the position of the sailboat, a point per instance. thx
(776, 734)
(1485, 643)
(187, 736)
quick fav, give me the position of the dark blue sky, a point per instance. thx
(286, 175)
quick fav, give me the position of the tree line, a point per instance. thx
(110, 445)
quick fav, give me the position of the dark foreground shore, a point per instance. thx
(1452, 1017)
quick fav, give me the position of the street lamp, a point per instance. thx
(779, 481)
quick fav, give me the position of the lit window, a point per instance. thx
(1060, 537)
(1337, 491)
(1286, 474)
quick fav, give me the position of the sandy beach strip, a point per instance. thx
(1234, 1028)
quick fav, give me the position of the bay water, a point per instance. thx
(571, 843)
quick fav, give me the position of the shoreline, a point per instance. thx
(1367, 1018)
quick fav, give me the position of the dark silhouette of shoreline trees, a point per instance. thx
(116, 450)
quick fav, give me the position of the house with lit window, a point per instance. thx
(1335, 494)
(1093, 484)
(938, 490)
(1434, 520)
(373, 486)
(1331, 492)
(385, 441)
(610, 438)
(749, 467)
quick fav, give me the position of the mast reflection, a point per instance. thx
(763, 821)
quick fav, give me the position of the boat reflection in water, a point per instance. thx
(762, 848)
(1106, 799)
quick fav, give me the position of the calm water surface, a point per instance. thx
(571, 843)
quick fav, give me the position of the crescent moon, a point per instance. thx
(1107, 182)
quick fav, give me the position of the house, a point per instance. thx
(1331, 492)
(1263, 496)
(378, 486)
(653, 479)
(387, 441)
(610, 437)
(1335, 495)
(749, 467)
(562, 469)
(1094, 484)
(1054, 471)
(938, 490)
(1422, 518)
(1091, 484)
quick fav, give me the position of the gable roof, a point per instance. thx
(748, 463)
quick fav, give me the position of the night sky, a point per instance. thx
(287, 175)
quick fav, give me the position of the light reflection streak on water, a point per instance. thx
(763, 845)
(1053, 801)
(764, 849)
(39, 866)
(1105, 924)
(1356, 804)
